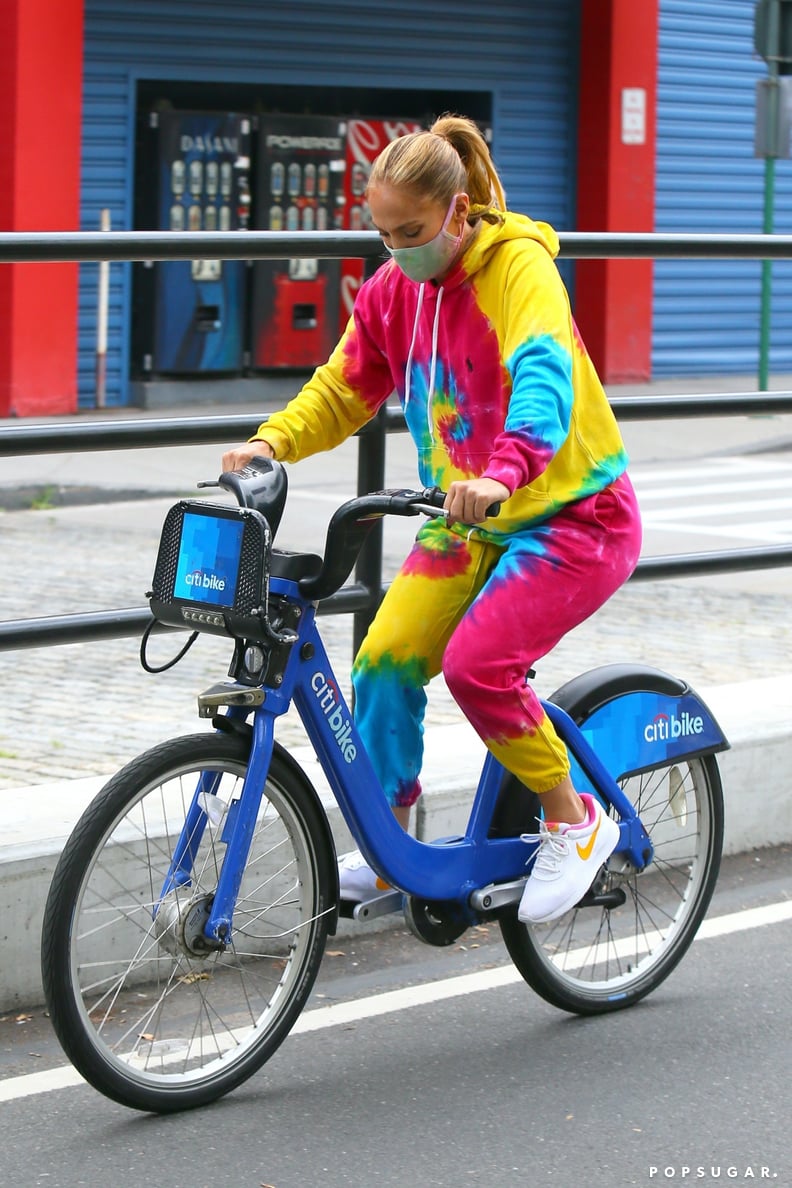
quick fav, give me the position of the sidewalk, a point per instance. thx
(72, 715)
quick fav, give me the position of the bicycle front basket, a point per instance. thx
(211, 567)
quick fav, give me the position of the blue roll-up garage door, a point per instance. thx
(707, 313)
(512, 63)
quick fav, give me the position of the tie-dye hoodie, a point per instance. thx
(490, 371)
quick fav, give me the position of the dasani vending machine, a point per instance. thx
(193, 175)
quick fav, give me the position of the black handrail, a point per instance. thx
(39, 246)
(67, 436)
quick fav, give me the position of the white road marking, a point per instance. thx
(719, 488)
(343, 1013)
(684, 499)
(699, 510)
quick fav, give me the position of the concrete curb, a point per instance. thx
(756, 716)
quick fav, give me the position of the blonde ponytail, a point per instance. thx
(484, 185)
(450, 158)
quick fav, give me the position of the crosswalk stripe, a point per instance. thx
(717, 509)
(769, 484)
(694, 499)
(775, 532)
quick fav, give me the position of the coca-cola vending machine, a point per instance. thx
(365, 141)
(193, 174)
(299, 187)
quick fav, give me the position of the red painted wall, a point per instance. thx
(40, 91)
(616, 183)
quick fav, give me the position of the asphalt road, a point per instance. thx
(490, 1087)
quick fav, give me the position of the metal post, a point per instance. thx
(371, 477)
(767, 265)
(773, 41)
(101, 319)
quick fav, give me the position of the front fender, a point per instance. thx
(637, 718)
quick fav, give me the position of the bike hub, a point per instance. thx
(180, 926)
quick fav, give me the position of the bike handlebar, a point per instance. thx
(262, 485)
(350, 525)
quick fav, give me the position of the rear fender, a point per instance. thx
(636, 718)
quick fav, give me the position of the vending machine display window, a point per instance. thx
(300, 163)
(193, 174)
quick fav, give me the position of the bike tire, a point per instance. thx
(141, 1017)
(597, 959)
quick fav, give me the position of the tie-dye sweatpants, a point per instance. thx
(483, 614)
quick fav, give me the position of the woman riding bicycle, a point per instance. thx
(469, 322)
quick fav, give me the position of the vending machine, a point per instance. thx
(192, 174)
(365, 141)
(299, 187)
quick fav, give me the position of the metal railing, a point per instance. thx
(363, 595)
(39, 246)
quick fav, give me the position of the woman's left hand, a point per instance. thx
(467, 502)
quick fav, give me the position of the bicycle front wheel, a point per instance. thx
(144, 1016)
(601, 958)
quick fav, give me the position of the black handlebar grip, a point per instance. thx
(434, 496)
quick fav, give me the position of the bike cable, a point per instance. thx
(175, 660)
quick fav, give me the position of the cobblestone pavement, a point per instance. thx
(84, 709)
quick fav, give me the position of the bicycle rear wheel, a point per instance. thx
(596, 959)
(143, 1017)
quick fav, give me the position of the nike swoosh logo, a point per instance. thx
(585, 851)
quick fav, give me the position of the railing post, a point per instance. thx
(371, 477)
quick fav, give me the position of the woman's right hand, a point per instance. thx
(240, 456)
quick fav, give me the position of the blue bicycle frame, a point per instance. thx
(636, 728)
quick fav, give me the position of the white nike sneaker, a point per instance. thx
(357, 881)
(567, 862)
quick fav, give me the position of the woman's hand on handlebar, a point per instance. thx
(467, 502)
(240, 456)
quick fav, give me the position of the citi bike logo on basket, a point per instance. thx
(199, 579)
(668, 726)
(329, 702)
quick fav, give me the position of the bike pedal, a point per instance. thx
(370, 909)
(615, 898)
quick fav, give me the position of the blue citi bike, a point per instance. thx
(190, 908)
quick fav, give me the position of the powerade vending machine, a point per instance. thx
(193, 175)
(299, 187)
(365, 141)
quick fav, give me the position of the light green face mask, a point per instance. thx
(427, 260)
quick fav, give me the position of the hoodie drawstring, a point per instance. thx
(433, 365)
(412, 347)
(433, 361)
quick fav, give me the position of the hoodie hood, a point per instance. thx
(489, 236)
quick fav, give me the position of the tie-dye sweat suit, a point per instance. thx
(494, 381)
